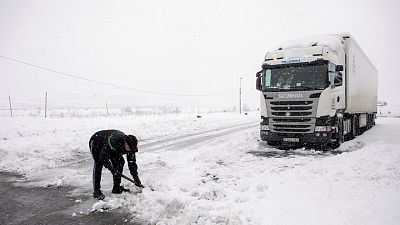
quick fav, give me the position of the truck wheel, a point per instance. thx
(334, 145)
(339, 134)
(368, 122)
(353, 133)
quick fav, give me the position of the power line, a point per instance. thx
(113, 85)
(56, 102)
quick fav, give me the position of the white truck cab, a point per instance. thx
(319, 90)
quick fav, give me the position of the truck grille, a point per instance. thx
(299, 108)
(292, 103)
(290, 120)
(292, 116)
(289, 113)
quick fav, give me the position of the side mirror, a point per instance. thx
(338, 79)
(258, 83)
(339, 68)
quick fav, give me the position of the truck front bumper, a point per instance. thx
(314, 138)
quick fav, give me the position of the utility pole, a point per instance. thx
(240, 95)
(45, 107)
(9, 100)
(107, 107)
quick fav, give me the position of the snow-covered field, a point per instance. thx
(221, 174)
(389, 111)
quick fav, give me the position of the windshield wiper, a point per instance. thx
(301, 88)
(272, 89)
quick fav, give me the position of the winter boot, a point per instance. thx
(98, 194)
(119, 189)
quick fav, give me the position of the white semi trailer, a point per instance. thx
(318, 90)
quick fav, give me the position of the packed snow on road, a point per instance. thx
(214, 170)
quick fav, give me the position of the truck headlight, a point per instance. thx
(323, 128)
(264, 127)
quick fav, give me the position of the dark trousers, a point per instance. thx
(117, 160)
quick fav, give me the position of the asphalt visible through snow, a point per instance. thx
(22, 205)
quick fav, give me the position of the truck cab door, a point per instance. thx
(338, 93)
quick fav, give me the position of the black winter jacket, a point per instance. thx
(109, 143)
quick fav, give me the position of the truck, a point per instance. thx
(316, 91)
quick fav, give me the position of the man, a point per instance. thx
(107, 148)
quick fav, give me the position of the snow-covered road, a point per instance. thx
(222, 174)
(184, 141)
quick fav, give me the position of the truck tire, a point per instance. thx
(339, 134)
(354, 127)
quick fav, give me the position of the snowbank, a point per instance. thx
(220, 179)
(32, 144)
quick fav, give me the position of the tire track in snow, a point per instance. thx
(176, 142)
(195, 138)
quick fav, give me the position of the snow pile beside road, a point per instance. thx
(236, 180)
(29, 145)
(221, 177)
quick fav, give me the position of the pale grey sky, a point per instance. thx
(175, 47)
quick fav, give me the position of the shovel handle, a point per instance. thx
(133, 181)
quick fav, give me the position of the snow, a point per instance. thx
(389, 111)
(104, 205)
(330, 40)
(216, 177)
(32, 144)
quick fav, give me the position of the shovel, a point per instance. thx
(133, 181)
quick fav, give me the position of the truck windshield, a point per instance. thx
(296, 78)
